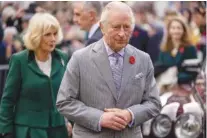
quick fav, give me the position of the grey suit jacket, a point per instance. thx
(95, 37)
(88, 87)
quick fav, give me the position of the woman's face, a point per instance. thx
(186, 15)
(198, 19)
(176, 30)
(48, 41)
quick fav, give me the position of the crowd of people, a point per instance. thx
(147, 36)
(61, 68)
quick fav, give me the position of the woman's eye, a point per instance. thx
(47, 34)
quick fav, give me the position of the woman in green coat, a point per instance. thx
(176, 48)
(27, 108)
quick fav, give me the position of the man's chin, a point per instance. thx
(82, 28)
(121, 45)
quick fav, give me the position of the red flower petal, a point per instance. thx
(136, 33)
(181, 50)
(131, 60)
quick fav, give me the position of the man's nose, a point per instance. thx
(121, 32)
(75, 19)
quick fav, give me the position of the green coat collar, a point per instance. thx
(57, 62)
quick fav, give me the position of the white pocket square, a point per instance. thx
(139, 75)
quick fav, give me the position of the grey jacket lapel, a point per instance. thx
(127, 68)
(101, 60)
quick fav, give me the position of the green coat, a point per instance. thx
(166, 60)
(29, 99)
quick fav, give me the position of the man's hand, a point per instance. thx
(69, 128)
(124, 113)
(113, 120)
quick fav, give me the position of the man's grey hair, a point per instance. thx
(95, 5)
(112, 6)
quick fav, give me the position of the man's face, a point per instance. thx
(81, 17)
(117, 31)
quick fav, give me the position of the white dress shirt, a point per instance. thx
(45, 66)
(93, 30)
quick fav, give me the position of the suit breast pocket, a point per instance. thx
(138, 81)
(138, 84)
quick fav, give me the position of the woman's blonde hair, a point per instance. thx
(39, 25)
(167, 44)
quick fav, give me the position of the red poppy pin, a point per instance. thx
(131, 59)
(136, 33)
(181, 50)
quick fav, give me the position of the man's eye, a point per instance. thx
(116, 27)
(77, 14)
(127, 27)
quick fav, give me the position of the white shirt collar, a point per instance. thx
(93, 29)
(110, 51)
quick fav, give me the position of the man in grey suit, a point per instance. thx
(86, 16)
(109, 89)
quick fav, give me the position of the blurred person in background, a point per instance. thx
(2, 53)
(168, 15)
(34, 7)
(12, 14)
(64, 23)
(12, 29)
(87, 15)
(1, 30)
(149, 28)
(176, 48)
(7, 16)
(27, 108)
(187, 14)
(71, 41)
(12, 17)
(25, 22)
(175, 5)
(139, 38)
(194, 30)
(76, 40)
(8, 48)
(199, 17)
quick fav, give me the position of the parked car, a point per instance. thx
(183, 114)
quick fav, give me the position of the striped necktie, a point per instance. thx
(117, 68)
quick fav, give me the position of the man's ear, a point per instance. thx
(101, 27)
(92, 15)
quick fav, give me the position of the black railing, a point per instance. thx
(3, 74)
